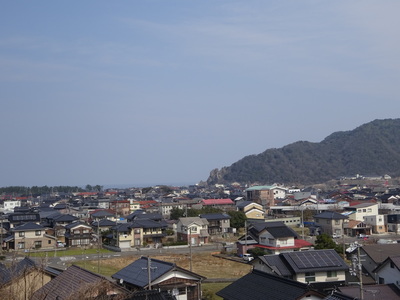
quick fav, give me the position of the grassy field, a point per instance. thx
(209, 289)
(204, 264)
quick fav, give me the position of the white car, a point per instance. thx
(248, 257)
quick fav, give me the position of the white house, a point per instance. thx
(389, 271)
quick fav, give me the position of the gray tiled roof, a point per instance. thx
(137, 273)
(28, 226)
(260, 286)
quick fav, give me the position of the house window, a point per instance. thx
(21, 245)
(38, 244)
(327, 221)
(21, 233)
(392, 265)
(137, 231)
(331, 274)
(86, 231)
(38, 232)
(283, 242)
(337, 222)
(49, 242)
(310, 276)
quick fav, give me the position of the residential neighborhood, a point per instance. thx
(278, 231)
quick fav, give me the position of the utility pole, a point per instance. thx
(98, 246)
(190, 248)
(360, 273)
(245, 235)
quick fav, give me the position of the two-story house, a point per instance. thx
(138, 233)
(218, 223)
(272, 237)
(193, 230)
(78, 234)
(30, 236)
(359, 211)
(263, 195)
(314, 266)
(330, 222)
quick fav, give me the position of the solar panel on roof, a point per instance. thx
(315, 259)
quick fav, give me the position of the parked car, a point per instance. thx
(363, 236)
(248, 257)
(60, 244)
(335, 236)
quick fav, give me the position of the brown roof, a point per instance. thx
(372, 292)
(73, 283)
(352, 223)
(379, 252)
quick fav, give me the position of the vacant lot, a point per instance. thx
(203, 264)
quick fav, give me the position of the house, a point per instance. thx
(324, 268)
(377, 223)
(251, 209)
(29, 236)
(121, 207)
(273, 237)
(355, 227)
(389, 271)
(224, 204)
(17, 219)
(147, 273)
(393, 223)
(330, 222)
(193, 229)
(259, 285)
(78, 283)
(359, 211)
(263, 195)
(369, 292)
(375, 254)
(218, 223)
(138, 233)
(78, 234)
(22, 279)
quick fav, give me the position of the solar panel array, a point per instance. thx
(315, 259)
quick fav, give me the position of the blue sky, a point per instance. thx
(162, 92)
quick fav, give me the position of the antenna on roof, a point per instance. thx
(149, 268)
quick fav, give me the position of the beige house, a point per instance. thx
(29, 236)
(251, 209)
(331, 223)
(194, 230)
(21, 280)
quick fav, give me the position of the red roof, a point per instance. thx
(297, 245)
(217, 202)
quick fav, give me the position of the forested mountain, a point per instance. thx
(371, 149)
